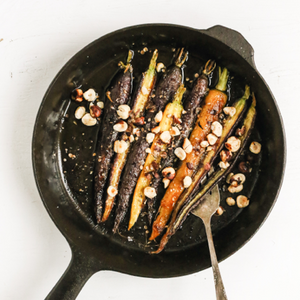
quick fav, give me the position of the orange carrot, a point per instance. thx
(214, 103)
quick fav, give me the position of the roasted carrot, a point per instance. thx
(172, 111)
(139, 104)
(164, 92)
(118, 94)
(214, 178)
(214, 103)
(191, 107)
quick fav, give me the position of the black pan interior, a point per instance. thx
(65, 183)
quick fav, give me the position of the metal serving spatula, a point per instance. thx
(204, 211)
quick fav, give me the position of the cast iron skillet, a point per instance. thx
(95, 249)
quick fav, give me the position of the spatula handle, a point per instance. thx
(220, 290)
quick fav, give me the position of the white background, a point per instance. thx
(37, 39)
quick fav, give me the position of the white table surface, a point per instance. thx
(36, 40)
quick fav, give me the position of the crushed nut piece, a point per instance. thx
(77, 95)
(230, 201)
(219, 211)
(79, 112)
(121, 126)
(155, 129)
(120, 146)
(239, 177)
(225, 155)
(235, 189)
(148, 150)
(187, 181)
(150, 192)
(229, 111)
(174, 131)
(233, 144)
(123, 111)
(131, 138)
(228, 177)
(112, 191)
(100, 104)
(166, 182)
(242, 201)
(211, 139)
(165, 137)
(169, 173)
(150, 137)
(224, 165)
(88, 120)
(90, 95)
(158, 117)
(95, 111)
(180, 153)
(204, 144)
(159, 67)
(217, 128)
(187, 146)
(255, 147)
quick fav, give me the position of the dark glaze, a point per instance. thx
(191, 106)
(119, 94)
(164, 92)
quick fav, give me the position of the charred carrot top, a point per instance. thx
(214, 103)
(138, 109)
(172, 110)
(177, 221)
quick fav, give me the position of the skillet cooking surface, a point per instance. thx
(66, 183)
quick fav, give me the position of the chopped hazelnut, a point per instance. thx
(216, 128)
(169, 173)
(95, 111)
(159, 67)
(148, 150)
(180, 153)
(239, 177)
(235, 189)
(120, 126)
(79, 112)
(88, 120)
(112, 191)
(123, 111)
(224, 165)
(166, 182)
(242, 201)
(120, 146)
(155, 129)
(150, 137)
(255, 147)
(90, 95)
(230, 201)
(158, 117)
(100, 104)
(229, 177)
(225, 155)
(165, 137)
(219, 211)
(229, 111)
(187, 146)
(204, 144)
(149, 192)
(77, 95)
(187, 181)
(131, 138)
(174, 131)
(233, 144)
(211, 139)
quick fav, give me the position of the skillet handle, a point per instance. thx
(234, 40)
(72, 281)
